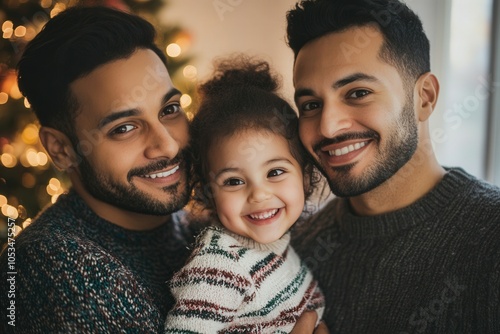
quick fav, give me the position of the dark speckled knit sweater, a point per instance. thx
(432, 267)
(77, 273)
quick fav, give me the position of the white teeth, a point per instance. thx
(163, 174)
(347, 149)
(265, 215)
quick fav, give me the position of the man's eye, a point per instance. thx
(171, 109)
(359, 93)
(275, 172)
(233, 182)
(310, 106)
(122, 129)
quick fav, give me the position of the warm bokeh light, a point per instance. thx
(186, 100)
(30, 34)
(20, 31)
(28, 180)
(173, 50)
(55, 182)
(17, 229)
(26, 223)
(30, 134)
(7, 33)
(46, 3)
(54, 188)
(42, 158)
(4, 97)
(59, 7)
(8, 160)
(27, 103)
(7, 25)
(190, 72)
(53, 199)
(3, 200)
(10, 211)
(15, 93)
(32, 157)
(8, 149)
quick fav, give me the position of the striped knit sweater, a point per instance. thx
(231, 284)
(432, 267)
(77, 273)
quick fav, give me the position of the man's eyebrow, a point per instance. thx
(337, 84)
(117, 115)
(302, 92)
(134, 112)
(171, 93)
(352, 78)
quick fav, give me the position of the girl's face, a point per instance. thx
(257, 184)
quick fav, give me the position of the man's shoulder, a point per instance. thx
(477, 198)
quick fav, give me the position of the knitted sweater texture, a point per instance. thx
(77, 273)
(432, 267)
(231, 284)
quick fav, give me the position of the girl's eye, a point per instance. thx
(275, 172)
(233, 182)
(359, 93)
(171, 109)
(122, 129)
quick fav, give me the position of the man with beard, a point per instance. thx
(98, 260)
(408, 245)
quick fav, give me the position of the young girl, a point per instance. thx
(254, 175)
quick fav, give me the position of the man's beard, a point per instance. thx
(128, 197)
(400, 148)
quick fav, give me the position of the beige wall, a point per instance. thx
(256, 27)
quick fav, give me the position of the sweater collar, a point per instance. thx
(98, 228)
(431, 205)
(278, 247)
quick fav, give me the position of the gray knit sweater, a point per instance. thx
(432, 267)
(77, 273)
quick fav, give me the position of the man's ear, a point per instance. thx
(427, 87)
(59, 147)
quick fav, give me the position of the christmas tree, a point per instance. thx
(28, 181)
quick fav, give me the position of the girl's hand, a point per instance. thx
(306, 324)
(321, 329)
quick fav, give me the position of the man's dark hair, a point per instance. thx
(405, 47)
(70, 46)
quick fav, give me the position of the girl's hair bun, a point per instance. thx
(240, 71)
